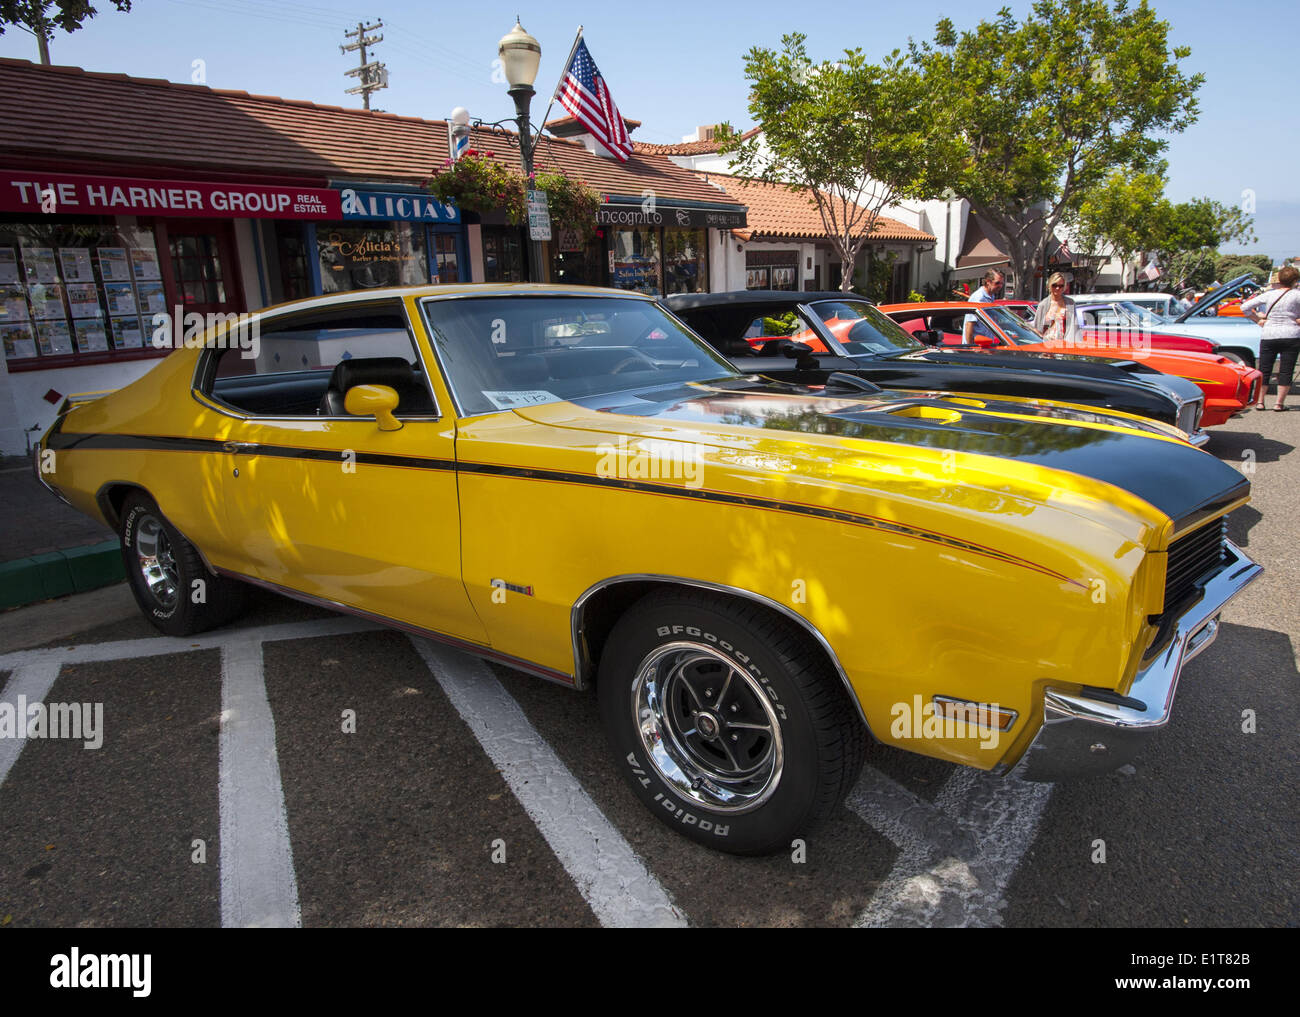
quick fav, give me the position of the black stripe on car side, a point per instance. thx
(136, 442)
(142, 442)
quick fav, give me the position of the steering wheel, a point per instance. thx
(636, 362)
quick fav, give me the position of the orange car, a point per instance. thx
(1229, 386)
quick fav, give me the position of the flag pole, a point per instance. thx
(564, 73)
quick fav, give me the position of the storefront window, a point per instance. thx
(686, 268)
(291, 256)
(771, 270)
(84, 291)
(503, 254)
(364, 257)
(196, 267)
(446, 264)
(581, 267)
(636, 260)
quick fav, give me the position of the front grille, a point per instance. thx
(1193, 559)
(1189, 416)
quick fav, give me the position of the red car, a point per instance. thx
(1229, 386)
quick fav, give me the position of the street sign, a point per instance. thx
(539, 216)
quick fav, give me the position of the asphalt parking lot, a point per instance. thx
(303, 768)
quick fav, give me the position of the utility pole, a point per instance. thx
(372, 76)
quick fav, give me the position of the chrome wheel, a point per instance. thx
(155, 562)
(708, 727)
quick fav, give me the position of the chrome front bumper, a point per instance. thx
(1095, 731)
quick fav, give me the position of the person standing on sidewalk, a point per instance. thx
(1278, 310)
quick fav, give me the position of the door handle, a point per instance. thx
(235, 448)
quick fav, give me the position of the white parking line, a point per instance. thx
(258, 884)
(158, 645)
(32, 681)
(610, 876)
(956, 856)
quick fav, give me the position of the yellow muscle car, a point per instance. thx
(754, 576)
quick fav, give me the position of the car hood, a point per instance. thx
(1214, 296)
(1082, 365)
(1178, 480)
(1211, 328)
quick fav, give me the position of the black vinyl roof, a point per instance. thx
(757, 298)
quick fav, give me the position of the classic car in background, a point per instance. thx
(1235, 336)
(1125, 324)
(1228, 385)
(1225, 301)
(794, 336)
(568, 481)
(1162, 303)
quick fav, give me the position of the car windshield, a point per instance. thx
(1013, 326)
(503, 352)
(1143, 315)
(862, 329)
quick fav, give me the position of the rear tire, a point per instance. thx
(727, 721)
(172, 585)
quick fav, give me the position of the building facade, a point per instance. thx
(126, 199)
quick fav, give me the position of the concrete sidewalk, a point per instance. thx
(46, 548)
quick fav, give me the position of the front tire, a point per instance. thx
(170, 582)
(727, 721)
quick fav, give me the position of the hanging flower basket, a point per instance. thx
(477, 183)
(573, 205)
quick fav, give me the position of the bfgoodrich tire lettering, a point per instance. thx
(727, 721)
(171, 584)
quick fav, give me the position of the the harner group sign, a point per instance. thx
(663, 214)
(71, 194)
(396, 205)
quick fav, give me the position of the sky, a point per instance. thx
(679, 66)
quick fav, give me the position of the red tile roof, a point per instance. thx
(564, 126)
(778, 210)
(688, 147)
(132, 125)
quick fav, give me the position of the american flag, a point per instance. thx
(584, 94)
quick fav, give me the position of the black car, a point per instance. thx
(805, 337)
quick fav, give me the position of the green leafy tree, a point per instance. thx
(1231, 265)
(1043, 112)
(1124, 216)
(1131, 215)
(41, 17)
(854, 135)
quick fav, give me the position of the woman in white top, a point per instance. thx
(1278, 310)
(1054, 316)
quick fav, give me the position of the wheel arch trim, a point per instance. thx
(114, 520)
(583, 666)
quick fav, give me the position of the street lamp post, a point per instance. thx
(520, 55)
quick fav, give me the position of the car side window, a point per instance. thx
(302, 365)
